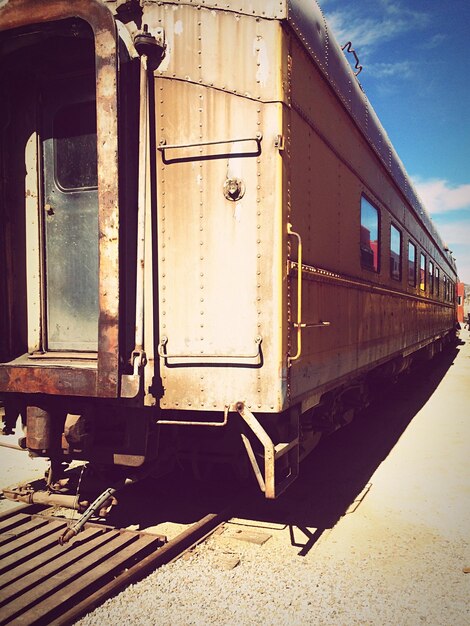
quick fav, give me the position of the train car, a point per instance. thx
(209, 248)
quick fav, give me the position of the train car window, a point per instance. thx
(422, 272)
(431, 277)
(436, 282)
(411, 264)
(369, 236)
(395, 252)
(75, 146)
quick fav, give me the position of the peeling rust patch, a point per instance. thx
(50, 380)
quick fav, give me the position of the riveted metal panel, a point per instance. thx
(378, 138)
(218, 236)
(219, 275)
(358, 110)
(307, 21)
(353, 318)
(221, 49)
(337, 151)
(398, 172)
(269, 9)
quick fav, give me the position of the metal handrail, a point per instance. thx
(163, 146)
(298, 324)
(164, 355)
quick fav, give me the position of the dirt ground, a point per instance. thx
(16, 467)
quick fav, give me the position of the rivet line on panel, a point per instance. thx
(201, 212)
(259, 251)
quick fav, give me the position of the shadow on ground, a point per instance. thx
(330, 481)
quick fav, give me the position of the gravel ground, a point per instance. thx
(376, 530)
(16, 467)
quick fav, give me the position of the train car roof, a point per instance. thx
(308, 22)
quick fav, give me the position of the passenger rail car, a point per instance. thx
(209, 247)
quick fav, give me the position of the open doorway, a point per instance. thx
(48, 196)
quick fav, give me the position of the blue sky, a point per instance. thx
(416, 59)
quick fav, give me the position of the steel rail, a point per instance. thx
(28, 537)
(171, 551)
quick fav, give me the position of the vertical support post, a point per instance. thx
(272, 453)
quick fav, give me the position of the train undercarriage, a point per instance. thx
(113, 447)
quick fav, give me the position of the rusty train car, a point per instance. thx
(209, 248)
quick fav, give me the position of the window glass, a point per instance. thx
(444, 295)
(369, 236)
(431, 277)
(75, 146)
(395, 253)
(411, 264)
(422, 272)
(436, 282)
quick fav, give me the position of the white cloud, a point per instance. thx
(402, 69)
(388, 21)
(455, 233)
(450, 207)
(462, 257)
(434, 42)
(457, 237)
(361, 32)
(439, 196)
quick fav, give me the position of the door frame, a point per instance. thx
(103, 380)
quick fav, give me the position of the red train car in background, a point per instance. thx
(460, 293)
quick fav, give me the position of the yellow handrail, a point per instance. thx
(297, 324)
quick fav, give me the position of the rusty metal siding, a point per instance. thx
(267, 9)
(225, 290)
(312, 31)
(368, 326)
(242, 95)
(372, 318)
(220, 49)
(67, 380)
(323, 116)
(218, 272)
(204, 237)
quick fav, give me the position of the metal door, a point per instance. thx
(70, 242)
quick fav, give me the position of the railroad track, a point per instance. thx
(42, 582)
